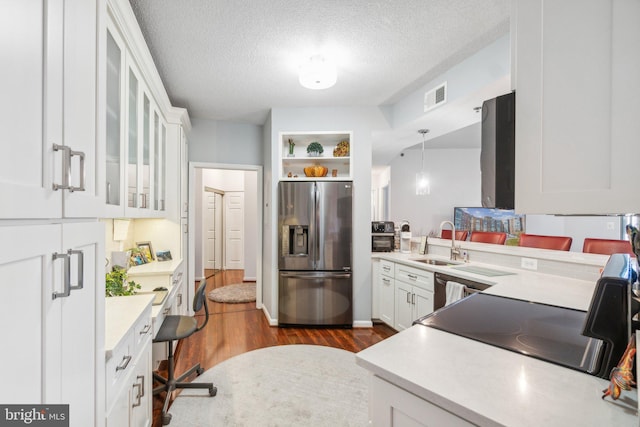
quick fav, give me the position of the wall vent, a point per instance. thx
(435, 97)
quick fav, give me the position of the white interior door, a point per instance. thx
(234, 230)
(209, 230)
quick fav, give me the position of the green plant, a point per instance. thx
(315, 147)
(116, 283)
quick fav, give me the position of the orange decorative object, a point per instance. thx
(315, 171)
(622, 375)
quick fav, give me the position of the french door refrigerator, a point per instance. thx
(314, 247)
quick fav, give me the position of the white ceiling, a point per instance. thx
(234, 60)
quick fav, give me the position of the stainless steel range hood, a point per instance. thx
(497, 156)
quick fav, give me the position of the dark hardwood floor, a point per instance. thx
(237, 328)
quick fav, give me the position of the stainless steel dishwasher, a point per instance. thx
(440, 288)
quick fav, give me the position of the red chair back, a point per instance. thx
(558, 243)
(488, 237)
(460, 235)
(606, 246)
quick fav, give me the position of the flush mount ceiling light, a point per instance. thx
(422, 180)
(317, 73)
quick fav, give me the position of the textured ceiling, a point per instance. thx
(236, 59)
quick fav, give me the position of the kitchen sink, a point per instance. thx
(437, 262)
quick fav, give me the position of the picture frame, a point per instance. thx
(137, 258)
(163, 256)
(146, 250)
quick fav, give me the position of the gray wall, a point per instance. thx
(454, 175)
(217, 141)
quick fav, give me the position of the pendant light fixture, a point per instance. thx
(318, 73)
(422, 180)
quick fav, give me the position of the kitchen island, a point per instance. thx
(424, 376)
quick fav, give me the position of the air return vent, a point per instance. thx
(435, 97)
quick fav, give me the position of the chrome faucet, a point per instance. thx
(455, 250)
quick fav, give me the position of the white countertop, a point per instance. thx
(154, 267)
(491, 386)
(120, 314)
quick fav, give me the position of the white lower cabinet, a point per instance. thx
(412, 302)
(386, 293)
(132, 407)
(391, 406)
(413, 295)
(53, 285)
(129, 376)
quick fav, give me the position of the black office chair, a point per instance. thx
(176, 328)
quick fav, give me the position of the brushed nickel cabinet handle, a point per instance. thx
(82, 177)
(67, 275)
(66, 167)
(80, 256)
(123, 365)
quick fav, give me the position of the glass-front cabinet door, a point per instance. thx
(114, 96)
(159, 167)
(132, 141)
(145, 154)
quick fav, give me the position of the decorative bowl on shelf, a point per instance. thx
(315, 171)
(342, 149)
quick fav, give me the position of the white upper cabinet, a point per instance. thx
(138, 136)
(114, 137)
(577, 81)
(50, 132)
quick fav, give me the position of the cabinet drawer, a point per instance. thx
(414, 276)
(386, 281)
(387, 268)
(142, 330)
(119, 366)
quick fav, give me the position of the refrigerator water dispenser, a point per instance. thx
(295, 240)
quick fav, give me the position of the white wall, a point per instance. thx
(251, 218)
(361, 121)
(454, 176)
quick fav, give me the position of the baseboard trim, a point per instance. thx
(249, 279)
(271, 320)
(362, 324)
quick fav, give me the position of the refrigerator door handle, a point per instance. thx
(310, 275)
(316, 217)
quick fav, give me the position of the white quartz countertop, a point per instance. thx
(120, 314)
(490, 386)
(155, 267)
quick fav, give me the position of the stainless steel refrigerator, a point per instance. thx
(314, 247)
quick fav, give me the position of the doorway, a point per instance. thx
(225, 231)
(212, 231)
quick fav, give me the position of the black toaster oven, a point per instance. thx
(382, 236)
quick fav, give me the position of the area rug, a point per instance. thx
(236, 293)
(289, 385)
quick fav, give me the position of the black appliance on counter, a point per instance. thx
(497, 154)
(613, 307)
(382, 236)
(591, 342)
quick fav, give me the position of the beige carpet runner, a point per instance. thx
(236, 293)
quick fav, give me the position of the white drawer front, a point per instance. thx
(387, 268)
(119, 366)
(414, 276)
(142, 330)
